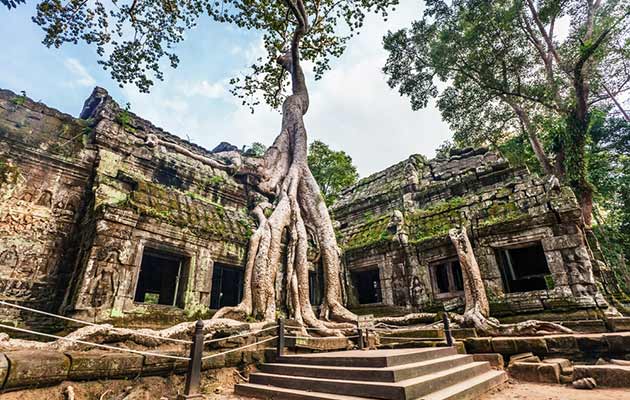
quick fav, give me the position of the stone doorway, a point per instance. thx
(227, 286)
(368, 285)
(160, 279)
(447, 279)
(523, 268)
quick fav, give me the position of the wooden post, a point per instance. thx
(193, 376)
(447, 330)
(360, 339)
(280, 342)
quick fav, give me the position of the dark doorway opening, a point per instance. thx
(160, 279)
(368, 285)
(227, 286)
(316, 286)
(523, 268)
(447, 279)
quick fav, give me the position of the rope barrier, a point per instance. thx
(321, 338)
(104, 346)
(412, 338)
(92, 324)
(242, 334)
(239, 348)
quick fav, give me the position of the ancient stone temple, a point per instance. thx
(100, 220)
(527, 236)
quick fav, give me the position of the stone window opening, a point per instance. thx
(227, 286)
(368, 285)
(523, 267)
(161, 279)
(447, 279)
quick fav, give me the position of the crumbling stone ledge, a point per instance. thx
(35, 368)
(574, 347)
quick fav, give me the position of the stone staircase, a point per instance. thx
(401, 374)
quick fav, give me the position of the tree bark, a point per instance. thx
(298, 204)
(477, 311)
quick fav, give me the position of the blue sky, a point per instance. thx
(352, 108)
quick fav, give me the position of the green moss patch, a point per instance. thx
(372, 231)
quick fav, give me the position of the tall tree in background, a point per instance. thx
(506, 70)
(333, 170)
(133, 37)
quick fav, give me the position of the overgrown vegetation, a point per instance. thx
(124, 118)
(19, 100)
(545, 99)
(511, 81)
(333, 170)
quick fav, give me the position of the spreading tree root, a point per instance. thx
(103, 334)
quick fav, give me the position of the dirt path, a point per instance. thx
(220, 387)
(530, 391)
(216, 385)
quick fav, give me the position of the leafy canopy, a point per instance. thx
(486, 61)
(333, 170)
(135, 38)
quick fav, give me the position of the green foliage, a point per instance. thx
(134, 40)
(19, 100)
(124, 118)
(609, 169)
(505, 86)
(216, 180)
(333, 170)
(256, 150)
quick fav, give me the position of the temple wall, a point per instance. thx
(99, 219)
(83, 199)
(45, 170)
(147, 198)
(509, 213)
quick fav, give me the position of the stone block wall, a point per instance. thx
(146, 197)
(46, 160)
(503, 208)
(81, 199)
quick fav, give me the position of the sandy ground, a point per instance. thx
(534, 391)
(219, 387)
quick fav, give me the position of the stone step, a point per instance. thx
(470, 388)
(372, 358)
(387, 374)
(279, 393)
(402, 390)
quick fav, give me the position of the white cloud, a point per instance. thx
(81, 76)
(211, 90)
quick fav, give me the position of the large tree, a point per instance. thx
(506, 68)
(333, 170)
(133, 37)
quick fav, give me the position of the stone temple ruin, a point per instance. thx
(99, 222)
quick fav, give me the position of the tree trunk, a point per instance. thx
(299, 208)
(477, 311)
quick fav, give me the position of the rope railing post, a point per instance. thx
(280, 342)
(447, 330)
(193, 375)
(360, 338)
